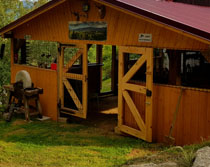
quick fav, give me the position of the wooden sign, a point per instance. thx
(145, 37)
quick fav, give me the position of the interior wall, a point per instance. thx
(123, 29)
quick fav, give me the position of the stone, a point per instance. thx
(167, 164)
(144, 165)
(202, 157)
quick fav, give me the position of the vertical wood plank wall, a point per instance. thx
(46, 79)
(123, 29)
(193, 120)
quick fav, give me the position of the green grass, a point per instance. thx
(55, 144)
(106, 85)
(47, 144)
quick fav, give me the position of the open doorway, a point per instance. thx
(102, 105)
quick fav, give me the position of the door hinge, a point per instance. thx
(148, 93)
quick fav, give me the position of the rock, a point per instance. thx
(167, 164)
(202, 157)
(144, 165)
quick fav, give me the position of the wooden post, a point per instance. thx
(120, 97)
(59, 70)
(149, 86)
(114, 74)
(60, 75)
(99, 60)
(85, 81)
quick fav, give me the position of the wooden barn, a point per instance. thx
(160, 62)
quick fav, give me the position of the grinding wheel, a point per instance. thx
(24, 77)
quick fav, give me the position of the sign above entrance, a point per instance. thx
(94, 31)
(145, 37)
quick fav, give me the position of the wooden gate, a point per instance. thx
(135, 97)
(73, 84)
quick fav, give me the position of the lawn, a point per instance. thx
(106, 85)
(51, 144)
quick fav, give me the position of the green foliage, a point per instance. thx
(41, 53)
(107, 59)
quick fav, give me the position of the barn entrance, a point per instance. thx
(81, 82)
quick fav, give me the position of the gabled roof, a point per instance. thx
(188, 18)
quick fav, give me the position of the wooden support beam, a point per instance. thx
(73, 76)
(85, 81)
(132, 131)
(73, 60)
(134, 88)
(73, 94)
(134, 68)
(120, 96)
(114, 75)
(149, 101)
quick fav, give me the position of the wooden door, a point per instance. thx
(73, 80)
(135, 97)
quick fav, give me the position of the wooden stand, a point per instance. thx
(27, 96)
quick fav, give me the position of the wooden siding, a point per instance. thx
(193, 120)
(46, 79)
(123, 29)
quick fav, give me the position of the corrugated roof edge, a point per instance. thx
(160, 19)
(35, 12)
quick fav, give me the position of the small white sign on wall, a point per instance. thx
(145, 37)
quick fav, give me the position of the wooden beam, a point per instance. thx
(59, 78)
(149, 99)
(73, 94)
(85, 80)
(134, 68)
(134, 88)
(134, 111)
(134, 50)
(73, 76)
(132, 131)
(73, 60)
(120, 96)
